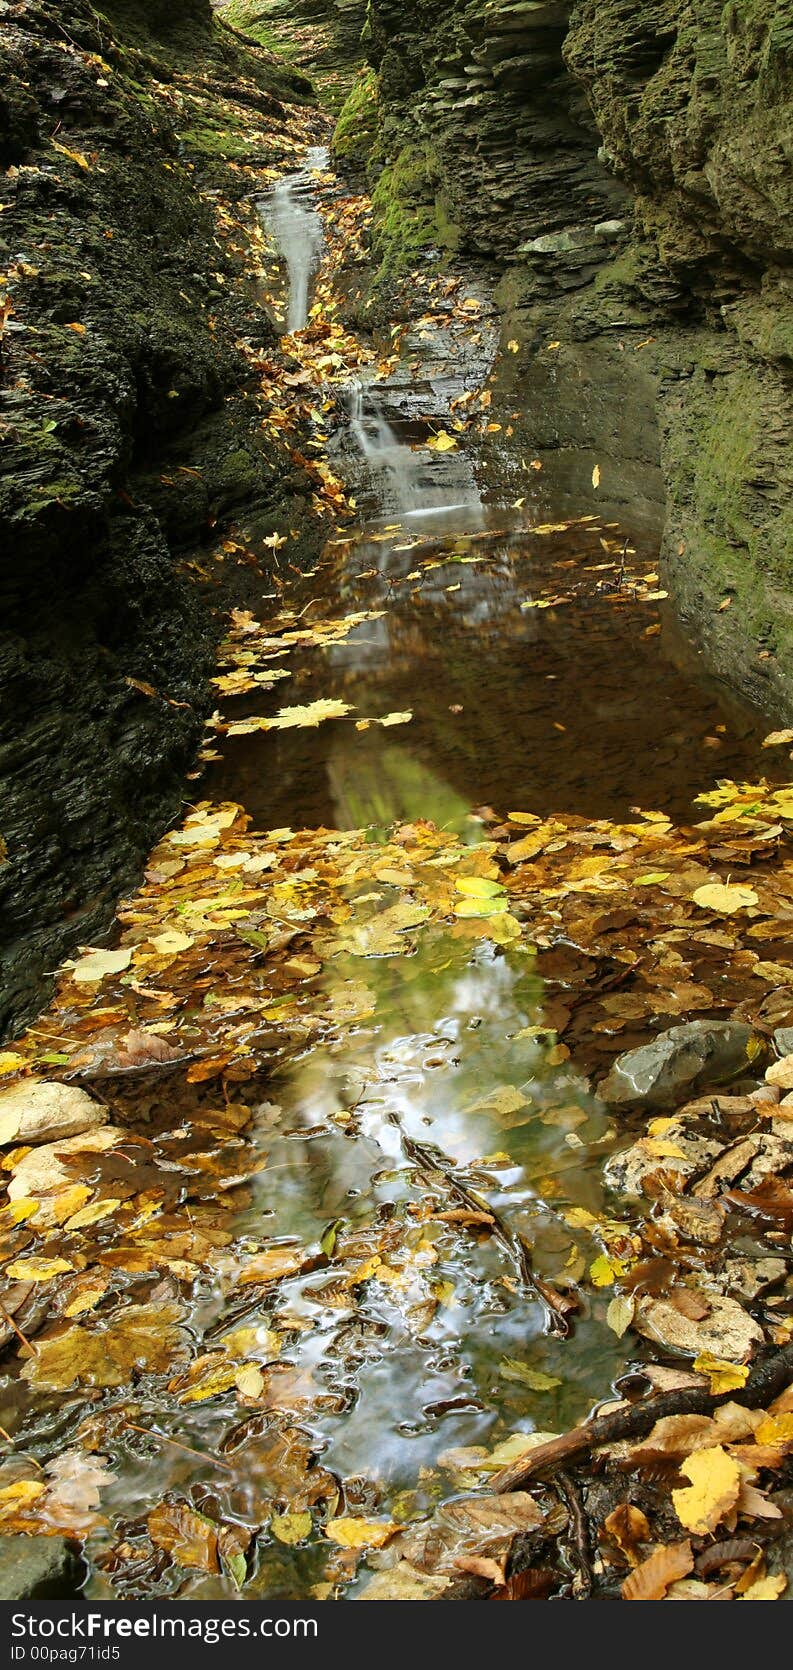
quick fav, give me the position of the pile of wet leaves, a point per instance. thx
(135, 1121)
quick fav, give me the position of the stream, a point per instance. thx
(544, 670)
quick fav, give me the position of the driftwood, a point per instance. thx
(770, 1376)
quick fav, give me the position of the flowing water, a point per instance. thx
(581, 706)
(291, 217)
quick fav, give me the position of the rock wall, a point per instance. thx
(630, 163)
(127, 434)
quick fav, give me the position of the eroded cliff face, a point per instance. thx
(630, 165)
(128, 432)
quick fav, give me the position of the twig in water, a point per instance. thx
(18, 1331)
(431, 1163)
(152, 1432)
(766, 1381)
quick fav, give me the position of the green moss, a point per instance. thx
(356, 130)
(411, 211)
(209, 139)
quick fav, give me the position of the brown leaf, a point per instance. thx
(189, 1537)
(479, 1566)
(652, 1578)
(627, 1526)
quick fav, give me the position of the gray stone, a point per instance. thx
(609, 228)
(39, 1568)
(783, 1040)
(687, 1057)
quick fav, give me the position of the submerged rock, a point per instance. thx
(686, 1057)
(40, 1110)
(39, 1568)
(726, 1329)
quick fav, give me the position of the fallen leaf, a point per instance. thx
(653, 1577)
(360, 1533)
(724, 898)
(96, 965)
(715, 1486)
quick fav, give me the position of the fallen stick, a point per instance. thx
(769, 1377)
(432, 1164)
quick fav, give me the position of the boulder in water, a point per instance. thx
(686, 1057)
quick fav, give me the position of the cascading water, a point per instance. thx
(410, 481)
(292, 220)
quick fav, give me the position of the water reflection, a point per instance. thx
(447, 1051)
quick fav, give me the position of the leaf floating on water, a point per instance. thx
(291, 1528)
(776, 739)
(170, 943)
(482, 907)
(619, 1315)
(188, 1536)
(596, 476)
(97, 965)
(360, 1533)
(142, 1338)
(313, 713)
(38, 1269)
(725, 898)
(386, 722)
(478, 887)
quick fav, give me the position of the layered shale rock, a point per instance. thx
(127, 434)
(634, 159)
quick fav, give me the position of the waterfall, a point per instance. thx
(410, 482)
(292, 220)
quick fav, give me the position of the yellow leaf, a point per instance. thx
(766, 1588)
(74, 156)
(249, 1380)
(724, 897)
(775, 739)
(96, 965)
(443, 442)
(723, 1376)
(604, 1271)
(652, 879)
(291, 1527)
(481, 907)
(171, 941)
(92, 1214)
(361, 1533)
(10, 1062)
(21, 1495)
(596, 476)
(84, 1301)
(513, 346)
(38, 1269)
(313, 713)
(715, 1486)
(775, 1429)
(619, 1315)
(478, 887)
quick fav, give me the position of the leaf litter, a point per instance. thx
(142, 1282)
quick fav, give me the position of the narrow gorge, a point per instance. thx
(397, 975)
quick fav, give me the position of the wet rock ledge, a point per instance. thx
(128, 432)
(629, 164)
